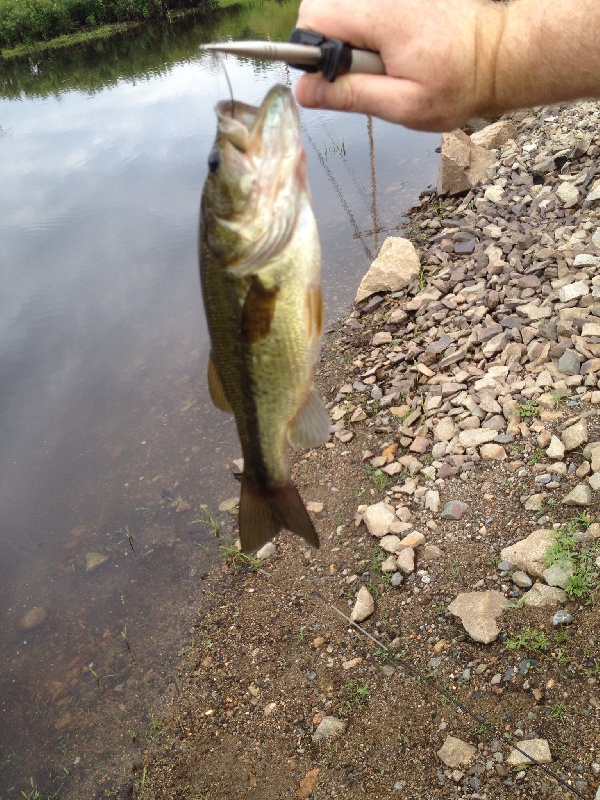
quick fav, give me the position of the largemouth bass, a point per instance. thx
(260, 268)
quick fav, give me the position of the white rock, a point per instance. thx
(556, 448)
(266, 551)
(528, 554)
(444, 430)
(495, 135)
(462, 163)
(494, 194)
(378, 519)
(476, 437)
(454, 752)
(432, 501)
(575, 435)
(413, 539)
(493, 452)
(364, 605)
(396, 265)
(567, 194)
(390, 543)
(536, 748)
(572, 291)
(478, 612)
(406, 560)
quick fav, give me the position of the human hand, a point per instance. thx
(439, 57)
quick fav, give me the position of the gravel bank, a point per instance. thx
(466, 445)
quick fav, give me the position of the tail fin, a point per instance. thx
(263, 512)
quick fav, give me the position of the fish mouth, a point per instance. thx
(252, 128)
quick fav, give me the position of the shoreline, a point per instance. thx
(466, 411)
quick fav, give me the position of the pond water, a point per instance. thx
(109, 444)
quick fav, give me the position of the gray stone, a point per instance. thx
(396, 265)
(557, 576)
(562, 618)
(478, 612)
(541, 595)
(364, 605)
(521, 579)
(454, 509)
(569, 363)
(536, 748)
(581, 495)
(327, 728)
(573, 291)
(454, 752)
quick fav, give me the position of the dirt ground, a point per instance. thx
(268, 657)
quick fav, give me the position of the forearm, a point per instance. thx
(548, 52)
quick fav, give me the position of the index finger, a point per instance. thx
(352, 21)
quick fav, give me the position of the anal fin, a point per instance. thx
(215, 387)
(310, 427)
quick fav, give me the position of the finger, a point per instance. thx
(393, 99)
(352, 21)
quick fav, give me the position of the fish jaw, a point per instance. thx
(261, 172)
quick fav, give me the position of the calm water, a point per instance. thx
(109, 445)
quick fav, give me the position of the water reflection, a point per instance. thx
(109, 443)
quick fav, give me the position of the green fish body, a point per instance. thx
(260, 274)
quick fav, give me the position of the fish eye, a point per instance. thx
(214, 160)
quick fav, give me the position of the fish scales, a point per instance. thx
(260, 274)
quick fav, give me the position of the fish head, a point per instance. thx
(257, 178)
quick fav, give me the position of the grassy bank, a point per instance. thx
(26, 22)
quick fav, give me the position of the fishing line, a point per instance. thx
(360, 187)
(345, 206)
(419, 676)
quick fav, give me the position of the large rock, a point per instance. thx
(541, 595)
(378, 518)
(394, 268)
(528, 554)
(463, 164)
(478, 612)
(536, 748)
(454, 752)
(495, 135)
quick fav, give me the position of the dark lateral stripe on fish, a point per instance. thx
(258, 311)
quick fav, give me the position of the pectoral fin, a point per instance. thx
(310, 427)
(215, 387)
